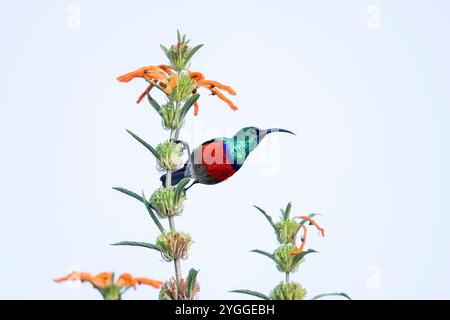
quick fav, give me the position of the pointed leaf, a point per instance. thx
(342, 294)
(180, 187)
(264, 253)
(145, 144)
(153, 103)
(188, 104)
(301, 255)
(138, 244)
(269, 218)
(192, 280)
(252, 293)
(152, 213)
(193, 51)
(129, 193)
(166, 51)
(287, 211)
(178, 35)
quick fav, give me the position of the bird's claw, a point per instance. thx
(183, 143)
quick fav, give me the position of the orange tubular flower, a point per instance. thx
(211, 85)
(101, 280)
(160, 73)
(150, 87)
(171, 84)
(104, 282)
(153, 283)
(126, 280)
(305, 231)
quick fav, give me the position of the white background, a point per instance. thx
(364, 84)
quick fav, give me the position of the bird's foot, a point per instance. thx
(187, 188)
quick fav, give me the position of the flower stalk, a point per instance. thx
(179, 86)
(288, 256)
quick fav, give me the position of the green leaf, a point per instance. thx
(252, 293)
(145, 144)
(269, 218)
(152, 213)
(192, 280)
(129, 193)
(193, 51)
(138, 244)
(178, 35)
(342, 294)
(265, 253)
(166, 52)
(188, 104)
(180, 187)
(301, 255)
(287, 211)
(153, 103)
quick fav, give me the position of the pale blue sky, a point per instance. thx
(367, 97)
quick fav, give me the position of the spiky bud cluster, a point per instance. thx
(285, 261)
(186, 291)
(167, 202)
(287, 230)
(170, 155)
(180, 54)
(174, 245)
(288, 291)
(184, 88)
(171, 118)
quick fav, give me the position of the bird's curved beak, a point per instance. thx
(279, 130)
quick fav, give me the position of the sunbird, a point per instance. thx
(216, 160)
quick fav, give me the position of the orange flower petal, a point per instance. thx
(134, 74)
(76, 275)
(222, 97)
(168, 69)
(171, 84)
(150, 87)
(126, 280)
(302, 246)
(196, 76)
(103, 279)
(212, 84)
(314, 223)
(196, 108)
(154, 283)
(148, 72)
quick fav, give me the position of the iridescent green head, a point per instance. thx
(245, 141)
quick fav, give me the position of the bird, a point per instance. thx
(218, 159)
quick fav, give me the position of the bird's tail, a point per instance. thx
(177, 176)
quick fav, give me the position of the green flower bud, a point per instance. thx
(171, 117)
(174, 245)
(169, 289)
(180, 54)
(288, 291)
(287, 231)
(284, 260)
(170, 155)
(164, 202)
(184, 88)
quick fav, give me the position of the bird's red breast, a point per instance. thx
(215, 162)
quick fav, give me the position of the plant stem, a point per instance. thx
(287, 277)
(176, 262)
